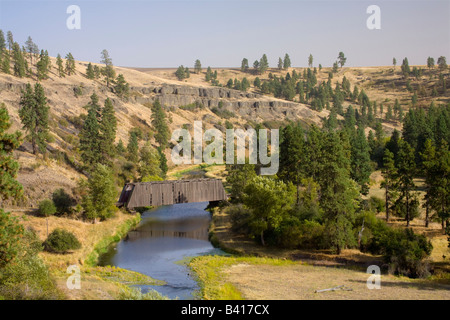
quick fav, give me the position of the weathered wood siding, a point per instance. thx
(168, 192)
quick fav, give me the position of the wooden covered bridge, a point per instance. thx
(157, 193)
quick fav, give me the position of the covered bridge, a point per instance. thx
(157, 193)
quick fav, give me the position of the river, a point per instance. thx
(165, 236)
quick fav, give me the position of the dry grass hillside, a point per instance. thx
(67, 96)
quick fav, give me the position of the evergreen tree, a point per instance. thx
(342, 59)
(310, 60)
(11, 230)
(70, 64)
(405, 68)
(406, 168)
(18, 61)
(360, 161)
(256, 66)
(34, 116)
(133, 148)
(10, 38)
(120, 148)
(286, 62)
(292, 156)
(239, 175)
(122, 88)
(107, 129)
(90, 72)
(198, 66)
(394, 62)
(245, 84)
(5, 66)
(2, 41)
(244, 65)
(59, 64)
(181, 73)
(108, 70)
(101, 194)
(230, 84)
(442, 63)
(162, 163)
(149, 161)
(257, 82)
(263, 64)
(159, 123)
(90, 136)
(31, 49)
(43, 65)
(9, 186)
(389, 173)
(209, 74)
(338, 191)
(280, 63)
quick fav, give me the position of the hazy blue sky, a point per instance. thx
(151, 33)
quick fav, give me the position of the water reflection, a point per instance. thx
(165, 235)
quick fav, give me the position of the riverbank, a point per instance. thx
(257, 272)
(97, 283)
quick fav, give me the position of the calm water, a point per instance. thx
(165, 235)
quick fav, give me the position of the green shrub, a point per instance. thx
(306, 234)
(46, 208)
(28, 277)
(376, 204)
(63, 201)
(240, 218)
(61, 241)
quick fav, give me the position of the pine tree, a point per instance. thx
(159, 123)
(120, 148)
(257, 82)
(360, 161)
(31, 49)
(34, 116)
(180, 73)
(280, 63)
(149, 161)
(342, 59)
(9, 35)
(5, 67)
(209, 74)
(100, 198)
(198, 66)
(162, 163)
(90, 72)
(244, 65)
(108, 127)
(43, 65)
(11, 230)
(9, 186)
(90, 137)
(108, 70)
(60, 66)
(256, 66)
(2, 41)
(133, 148)
(405, 68)
(122, 88)
(292, 156)
(394, 62)
(389, 173)
(310, 60)
(286, 62)
(18, 61)
(263, 64)
(406, 169)
(442, 63)
(245, 84)
(70, 64)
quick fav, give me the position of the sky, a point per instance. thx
(220, 33)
